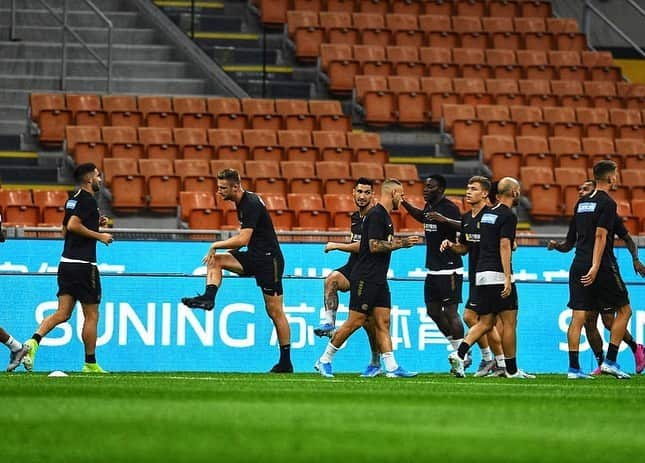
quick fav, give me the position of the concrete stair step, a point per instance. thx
(85, 18)
(242, 56)
(98, 84)
(103, 5)
(31, 174)
(91, 68)
(13, 112)
(10, 127)
(14, 97)
(10, 142)
(277, 89)
(208, 23)
(44, 50)
(91, 35)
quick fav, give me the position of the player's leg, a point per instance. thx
(275, 310)
(233, 262)
(495, 340)
(89, 334)
(487, 363)
(618, 330)
(381, 316)
(509, 344)
(594, 338)
(63, 313)
(355, 320)
(484, 324)
(374, 367)
(637, 349)
(334, 283)
(16, 348)
(434, 305)
(573, 340)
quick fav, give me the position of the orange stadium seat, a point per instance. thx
(439, 91)
(438, 61)
(332, 146)
(499, 152)
(372, 60)
(570, 178)
(158, 143)
(472, 91)
(476, 8)
(262, 113)
(338, 27)
(502, 33)
(563, 121)
(199, 211)
(282, 217)
(85, 144)
(126, 184)
(18, 208)
(596, 122)
(335, 176)
(406, 174)
(49, 112)
(228, 113)
(122, 110)
(228, 144)
(472, 63)
(195, 175)
(438, 29)
(503, 63)
(470, 32)
(263, 144)
(341, 206)
(301, 177)
(568, 65)
(529, 120)
(267, 177)
(599, 148)
(218, 165)
(497, 119)
(405, 59)
(536, 8)
(192, 112)
(535, 65)
(372, 28)
(122, 142)
(633, 152)
(504, 91)
(535, 151)
(337, 61)
(86, 109)
(310, 211)
(537, 92)
(367, 169)
(405, 29)
(503, 8)
(568, 152)
(297, 145)
(410, 101)
(305, 31)
(51, 204)
(530, 176)
(329, 115)
(570, 93)
(367, 147)
(534, 33)
(628, 122)
(601, 66)
(296, 114)
(162, 183)
(466, 129)
(379, 104)
(193, 143)
(157, 111)
(373, 6)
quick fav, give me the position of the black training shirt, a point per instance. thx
(496, 222)
(470, 236)
(83, 205)
(356, 230)
(252, 213)
(373, 267)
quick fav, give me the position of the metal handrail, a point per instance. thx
(589, 8)
(67, 28)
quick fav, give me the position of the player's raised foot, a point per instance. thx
(596, 372)
(282, 368)
(324, 369)
(456, 365)
(372, 371)
(577, 373)
(520, 374)
(468, 361)
(93, 368)
(612, 368)
(15, 358)
(199, 302)
(401, 372)
(498, 372)
(326, 329)
(639, 358)
(485, 367)
(29, 358)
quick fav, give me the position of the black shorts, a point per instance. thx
(607, 291)
(490, 300)
(364, 296)
(443, 289)
(267, 270)
(345, 270)
(81, 281)
(472, 302)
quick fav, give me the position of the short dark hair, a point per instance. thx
(364, 181)
(602, 168)
(230, 175)
(82, 170)
(483, 181)
(440, 179)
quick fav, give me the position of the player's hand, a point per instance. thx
(590, 277)
(106, 238)
(433, 215)
(446, 244)
(551, 245)
(103, 220)
(639, 268)
(507, 288)
(210, 254)
(330, 247)
(409, 241)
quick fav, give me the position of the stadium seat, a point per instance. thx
(603, 94)
(372, 60)
(546, 201)
(568, 65)
(85, 144)
(370, 170)
(51, 204)
(367, 147)
(438, 29)
(18, 208)
(217, 165)
(596, 122)
(465, 128)
(158, 143)
(266, 176)
(338, 27)
(496, 119)
(504, 91)
(537, 93)
(192, 112)
(199, 211)
(633, 152)
(332, 146)
(411, 103)
(297, 145)
(534, 33)
(193, 143)
(475, 8)
(569, 179)
(373, 6)
(535, 65)
(407, 174)
(379, 104)
(49, 112)
(472, 91)
(336, 60)
(502, 33)
(263, 144)
(567, 35)
(568, 152)
(601, 66)
(335, 176)
(405, 29)
(570, 93)
(296, 114)
(407, 6)
(122, 110)
(228, 144)
(472, 63)
(305, 31)
(329, 115)
(228, 113)
(439, 91)
(492, 144)
(301, 177)
(282, 217)
(126, 184)
(628, 122)
(563, 121)
(599, 148)
(529, 120)
(310, 211)
(162, 183)
(498, 151)
(624, 211)
(341, 206)
(122, 142)
(86, 109)
(372, 28)
(469, 29)
(157, 111)
(503, 8)
(195, 175)
(273, 12)
(536, 8)
(262, 113)
(438, 61)
(438, 7)
(530, 176)
(405, 60)
(535, 151)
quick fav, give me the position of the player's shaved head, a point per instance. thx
(507, 186)
(390, 185)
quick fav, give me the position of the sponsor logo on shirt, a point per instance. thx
(430, 227)
(489, 218)
(586, 207)
(70, 204)
(473, 237)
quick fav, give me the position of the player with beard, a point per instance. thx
(607, 314)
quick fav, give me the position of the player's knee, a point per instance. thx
(470, 317)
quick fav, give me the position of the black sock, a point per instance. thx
(612, 352)
(36, 337)
(463, 349)
(574, 361)
(90, 358)
(632, 345)
(600, 356)
(211, 291)
(285, 354)
(511, 366)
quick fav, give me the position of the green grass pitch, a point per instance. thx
(189, 417)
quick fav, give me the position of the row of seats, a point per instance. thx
(52, 112)
(416, 101)
(308, 30)
(31, 208)
(93, 144)
(553, 193)
(340, 63)
(156, 183)
(275, 12)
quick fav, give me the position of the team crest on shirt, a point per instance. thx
(70, 204)
(430, 227)
(489, 219)
(586, 207)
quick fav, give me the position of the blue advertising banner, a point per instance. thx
(144, 327)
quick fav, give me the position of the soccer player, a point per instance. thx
(369, 290)
(591, 319)
(442, 289)
(78, 275)
(263, 259)
(477, 192)
(594, 280)
(496, 292)
(338, 280)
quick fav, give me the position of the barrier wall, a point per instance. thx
(143, 326)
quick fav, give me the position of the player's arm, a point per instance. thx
(389, 246)
(505, 251)
(75, 225)
(599, 244)
(234, 242)
(639, 268)
(457, 248)
(568, 243)
(413, 211)
(452, 223)
(353, 247)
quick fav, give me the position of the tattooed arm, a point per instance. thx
(389, 246)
